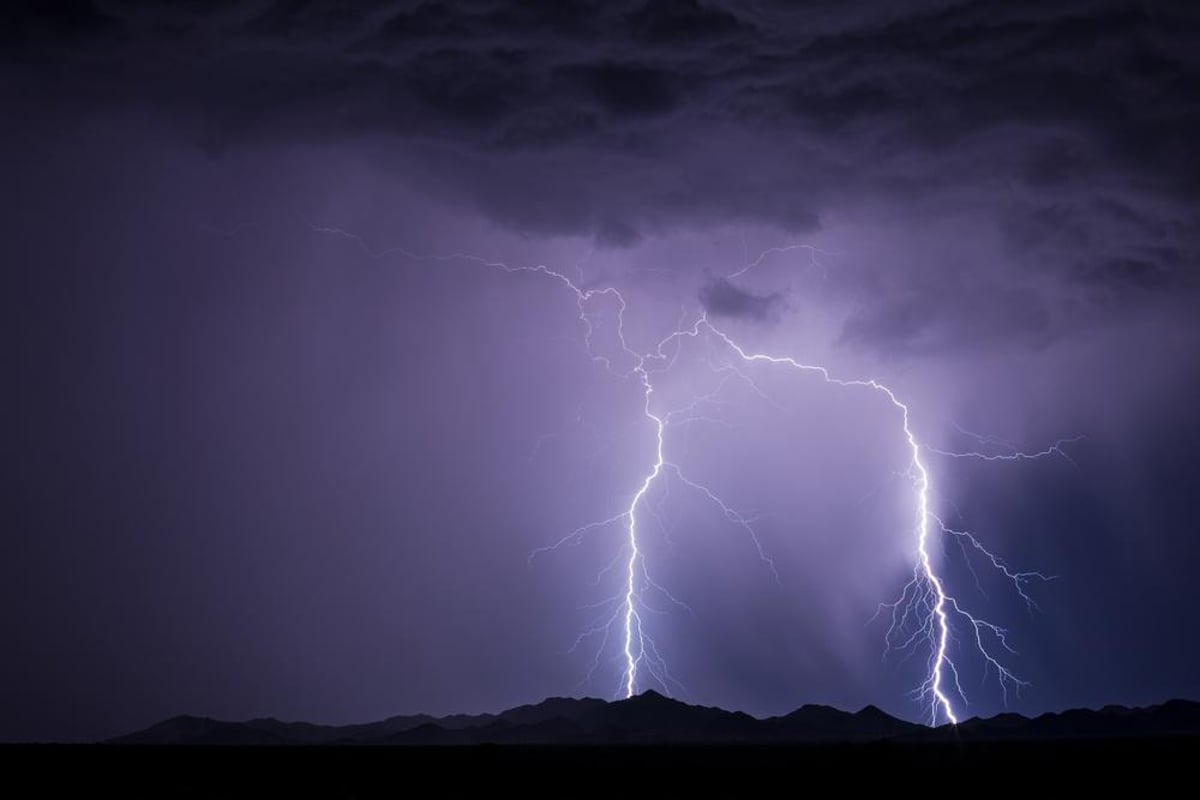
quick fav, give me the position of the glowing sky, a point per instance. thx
(259, 467)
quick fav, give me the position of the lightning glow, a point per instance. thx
(925, 612)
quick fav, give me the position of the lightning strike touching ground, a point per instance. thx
(925, 612)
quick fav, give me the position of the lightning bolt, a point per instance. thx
(1011, 451)
(635, 636)
(814, 258)
(924, 611)
(937, 624)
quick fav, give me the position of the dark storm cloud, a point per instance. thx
(1073, 127)
(966, 322)
(721, 298)
(626, 91)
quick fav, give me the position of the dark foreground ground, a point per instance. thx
(728, 771)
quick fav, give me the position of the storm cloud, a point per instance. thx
(1071, 126)
(722, 298)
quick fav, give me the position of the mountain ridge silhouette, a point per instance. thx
(651, 718)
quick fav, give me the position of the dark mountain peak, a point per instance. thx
(1000, 725)
(652, 703)
(267, 721)
(813, 722)
(816, 711)
(652, 717)
(557, 700)
(186, 719)
(551, 708)
(185, 729)
(1191, 706)
(1172, 718)
(876, 714)
(183, 723)
(563, 703)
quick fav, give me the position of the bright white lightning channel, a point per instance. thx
(925, 609)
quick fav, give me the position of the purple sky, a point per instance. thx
(259, 468)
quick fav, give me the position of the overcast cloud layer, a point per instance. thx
(1072, 126)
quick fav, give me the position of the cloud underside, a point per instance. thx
(722, 298)
(1072, 128)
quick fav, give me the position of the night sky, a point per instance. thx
(266, 456)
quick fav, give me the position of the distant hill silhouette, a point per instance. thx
(653, 719)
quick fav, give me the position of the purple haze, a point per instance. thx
(258, 469)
